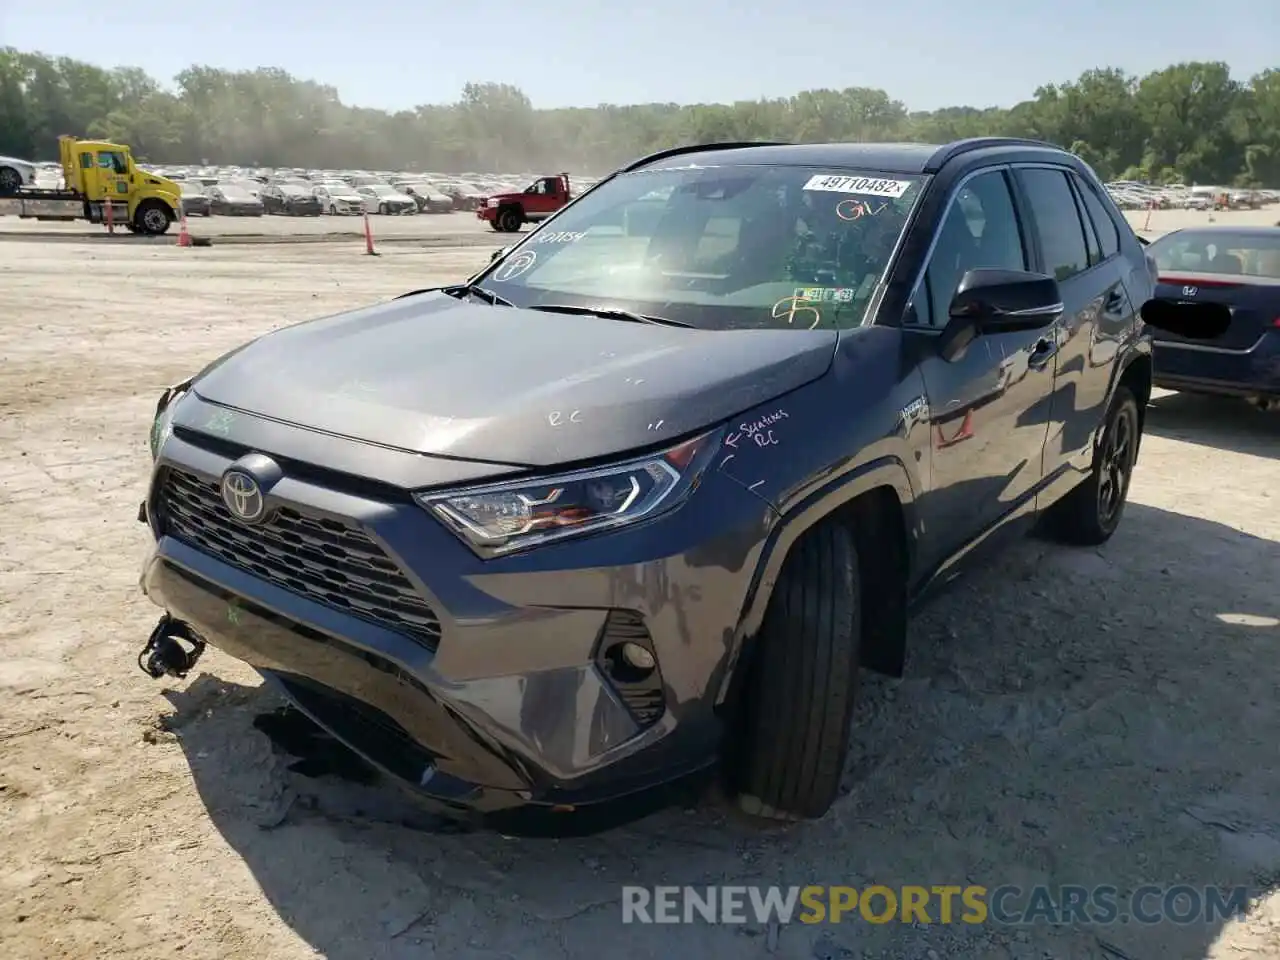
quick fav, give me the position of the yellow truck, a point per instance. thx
(97, 175)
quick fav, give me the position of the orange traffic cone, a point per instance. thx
(184, 238)
(368, 237)
(109, 209)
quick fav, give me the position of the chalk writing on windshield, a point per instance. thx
(796, 307)
(515, 266)
(849, 209)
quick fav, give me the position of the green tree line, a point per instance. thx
(1190, 122)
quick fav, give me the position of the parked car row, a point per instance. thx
(335, 193)
(1132, 195)
(299, 198)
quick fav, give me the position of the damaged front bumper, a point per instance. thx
(507, 697)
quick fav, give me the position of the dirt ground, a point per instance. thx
(462, 227)
(1068, 717)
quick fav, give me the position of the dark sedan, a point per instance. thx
(195, 202)
(429, 199)
(291, 200)
(1238, 267)
(231, 200)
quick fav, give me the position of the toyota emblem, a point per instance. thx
(243, 496)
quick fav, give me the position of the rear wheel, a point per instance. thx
(802, 683)
(1090, 514)
(152, 218)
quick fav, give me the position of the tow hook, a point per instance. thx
(165, 653)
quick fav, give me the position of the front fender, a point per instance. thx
(812, 452)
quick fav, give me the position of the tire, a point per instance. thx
(152, 218)
(509, 219)
(10, 181)
(802, 684)
(1090, 514)
(382, 209)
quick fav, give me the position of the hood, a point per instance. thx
(435, 375)
(163, 186)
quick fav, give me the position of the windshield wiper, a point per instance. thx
(475, 290)
(608, 313)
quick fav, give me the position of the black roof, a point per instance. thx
(904, 158)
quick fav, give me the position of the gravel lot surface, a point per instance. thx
(432, 228)
(1068, 717)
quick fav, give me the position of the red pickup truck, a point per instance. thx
(508, 212)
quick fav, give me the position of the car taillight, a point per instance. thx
(1276, 323)
(1198, 282)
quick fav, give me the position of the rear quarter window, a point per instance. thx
(1103, 224)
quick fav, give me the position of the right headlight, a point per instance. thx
(502, 518)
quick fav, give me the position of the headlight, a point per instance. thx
(502, 518)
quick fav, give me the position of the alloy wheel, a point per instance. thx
(1115, 465)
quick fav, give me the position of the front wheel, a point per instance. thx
(802, 682)
(152, 218)
(382, 209)
(1090, 514)
(509, 220)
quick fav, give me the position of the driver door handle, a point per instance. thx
(1042, 353)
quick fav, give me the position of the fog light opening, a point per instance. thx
(631, 662)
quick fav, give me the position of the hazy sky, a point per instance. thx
(397, 53)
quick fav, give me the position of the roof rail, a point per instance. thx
(699, 148)
(946, 154)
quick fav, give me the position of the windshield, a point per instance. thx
(385, 191)
(190, 189)
(719, 247)
(235, 193)
(294, 190)
(1249, 254)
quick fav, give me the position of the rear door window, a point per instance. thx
(1057, 221)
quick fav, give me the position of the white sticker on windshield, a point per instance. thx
(868, 186)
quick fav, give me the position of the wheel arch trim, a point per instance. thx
(800, 517)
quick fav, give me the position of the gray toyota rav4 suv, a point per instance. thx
(643, 496)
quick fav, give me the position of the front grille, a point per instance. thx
(323, 559)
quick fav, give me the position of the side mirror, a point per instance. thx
(998, 301)
(1190, 319)
(501, 251)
